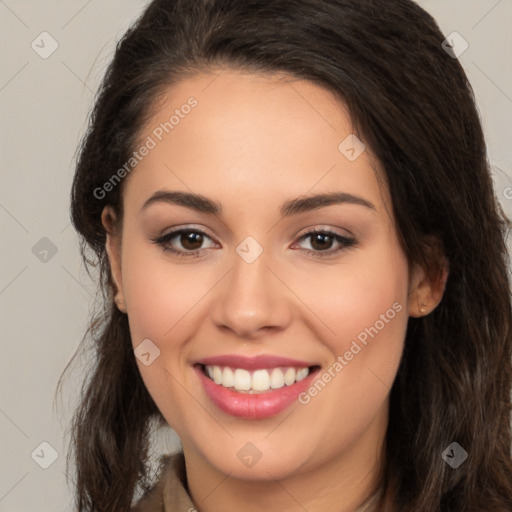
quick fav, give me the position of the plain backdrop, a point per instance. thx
(45, 293)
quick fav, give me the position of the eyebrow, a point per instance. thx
(291, 207)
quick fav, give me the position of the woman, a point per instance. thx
(303, 262)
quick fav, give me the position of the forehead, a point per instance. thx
(254, 138)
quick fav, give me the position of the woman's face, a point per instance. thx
(251, 290)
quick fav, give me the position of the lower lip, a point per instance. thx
(257, 405)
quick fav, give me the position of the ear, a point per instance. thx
(113, 249)
(426, 289)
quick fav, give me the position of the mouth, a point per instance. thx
(263, 380)
(255, 388)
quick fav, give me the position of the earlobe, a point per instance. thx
(113, 250)
(426, 291)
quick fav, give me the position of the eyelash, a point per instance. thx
(164, 240)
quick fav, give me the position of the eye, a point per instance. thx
(190, 240)
(321, 241)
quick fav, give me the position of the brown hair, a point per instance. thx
(413, 106)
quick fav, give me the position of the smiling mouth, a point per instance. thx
(256, 381)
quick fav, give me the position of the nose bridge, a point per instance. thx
(251, 296)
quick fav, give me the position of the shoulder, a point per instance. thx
(170, 480)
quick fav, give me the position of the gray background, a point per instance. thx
(45, 298)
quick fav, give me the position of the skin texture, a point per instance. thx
(252, 143)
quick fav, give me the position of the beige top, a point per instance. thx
(170, 492)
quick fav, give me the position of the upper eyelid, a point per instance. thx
(176, 230)
(305, 231)
(321, 229)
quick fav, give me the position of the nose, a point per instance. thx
(252, 300)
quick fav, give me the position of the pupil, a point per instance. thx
(321, 237)
(191, 241)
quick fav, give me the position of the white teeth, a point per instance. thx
(302, 374)
(289, 376)
(242, 380)
(228, 377)
(217, 375)
(256, 381)
(276, 379)
(260, 380)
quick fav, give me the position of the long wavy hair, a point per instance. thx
(412, 104)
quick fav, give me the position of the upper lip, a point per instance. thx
(253, 363)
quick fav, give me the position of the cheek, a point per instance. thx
(363, 302)
(368, 314)
(363, 298)
(159, 295)
(160, 300)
